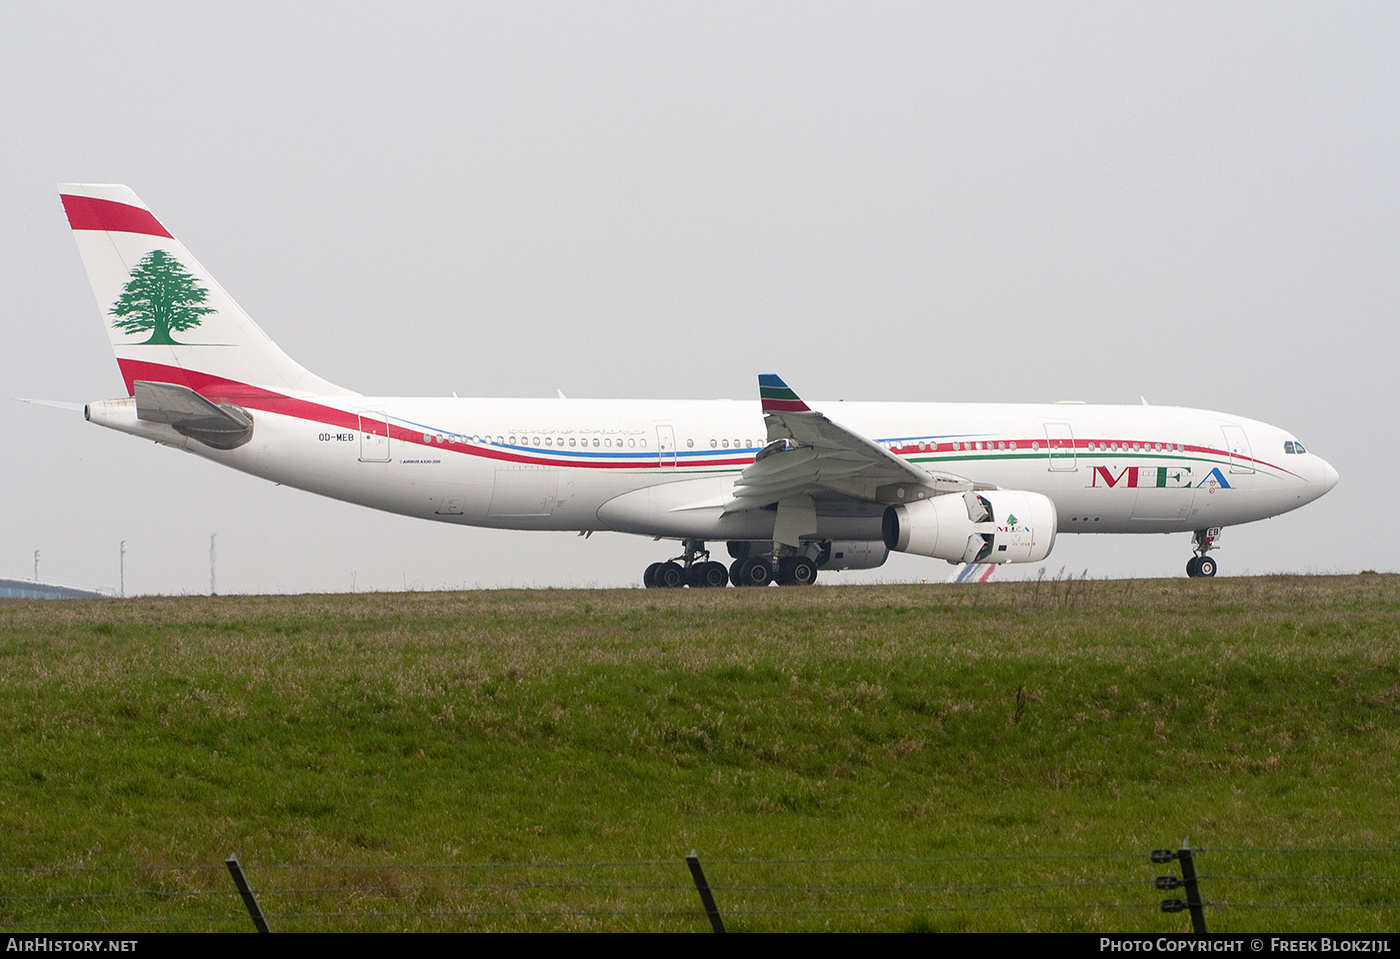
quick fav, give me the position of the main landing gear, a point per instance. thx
(1203, 541)
(762, 570)
(687, 569)
(695, 568)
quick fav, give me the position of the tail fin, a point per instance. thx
(169, 321)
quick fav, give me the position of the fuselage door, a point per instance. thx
(1241, 458)
(1059, 443)
(666, 444)
(374, 437)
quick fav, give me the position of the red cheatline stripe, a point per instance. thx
(219, 390)
(216, 389)
(91, 213)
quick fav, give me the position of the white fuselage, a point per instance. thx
(666, 468)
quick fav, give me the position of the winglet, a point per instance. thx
(777, 397)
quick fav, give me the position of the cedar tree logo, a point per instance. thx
(161, 296)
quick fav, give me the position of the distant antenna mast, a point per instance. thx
(213, 584)
(36, 566)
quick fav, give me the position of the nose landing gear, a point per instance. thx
(1203, 541)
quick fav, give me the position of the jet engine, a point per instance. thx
(987, 526)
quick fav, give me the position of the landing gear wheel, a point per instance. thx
(669, 576)
(797, 571)
(649, 577)
(708, 575)
(1200, 566)
(734, 568)
(755, 572)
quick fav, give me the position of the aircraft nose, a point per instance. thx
(1329, 476)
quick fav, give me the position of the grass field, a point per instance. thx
(948, 757)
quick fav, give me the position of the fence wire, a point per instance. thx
(1339, 890)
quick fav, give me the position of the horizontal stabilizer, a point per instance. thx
(56, 404)
(222, 426)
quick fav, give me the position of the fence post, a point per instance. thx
(1193, 892)
(701, 886)
(249, 900)
(1188, 879)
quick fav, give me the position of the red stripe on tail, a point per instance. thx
(91, 213)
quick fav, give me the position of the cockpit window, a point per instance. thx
(1293, 446)
(1298, 447)
(1288, 446)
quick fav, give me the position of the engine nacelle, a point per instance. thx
(851, 554)
(991, 526)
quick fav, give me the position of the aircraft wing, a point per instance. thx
(810, 455)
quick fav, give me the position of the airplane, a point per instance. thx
(790, 490)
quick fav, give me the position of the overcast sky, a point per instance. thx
(1192, 203)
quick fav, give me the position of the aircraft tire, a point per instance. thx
(649, 577)
(708, 576)
(1205, 566)
(755, 572)
(714, 576)
(670, 576)
(734, 572)
(801, 572)
(1191, 566)
(796, 571)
